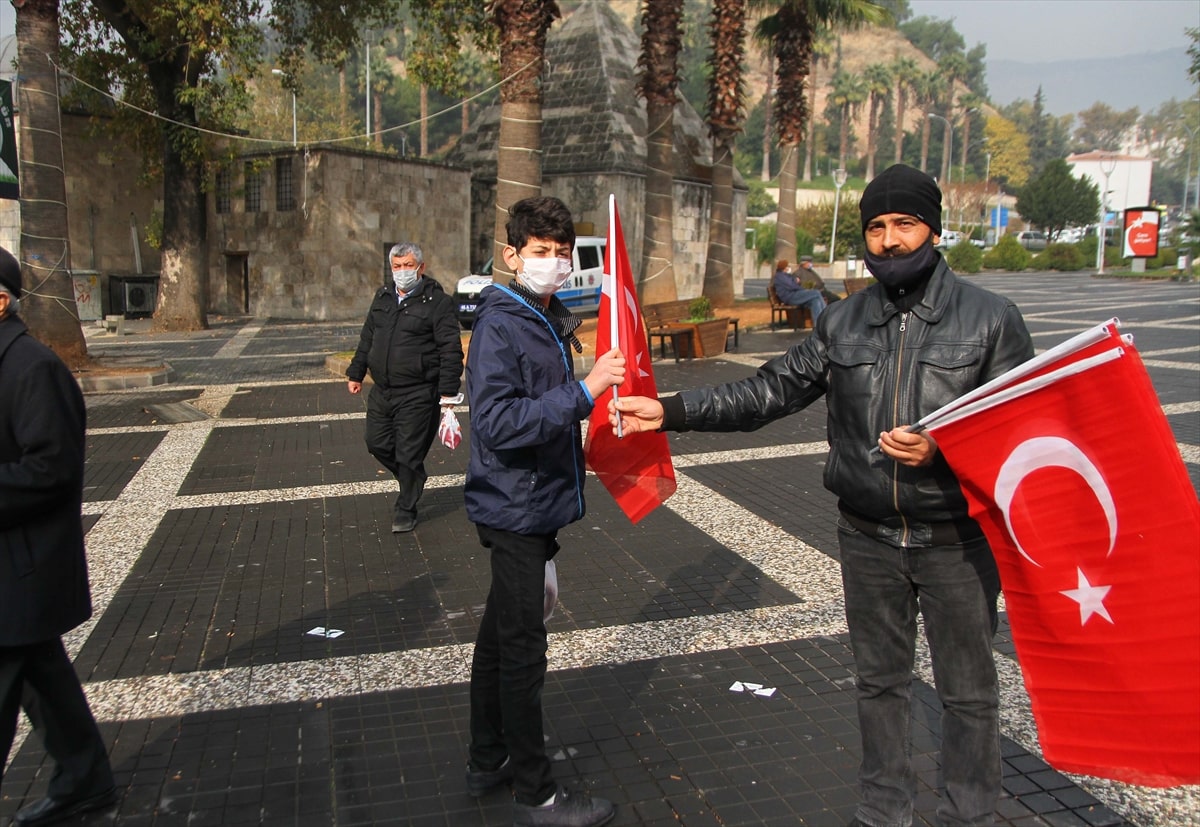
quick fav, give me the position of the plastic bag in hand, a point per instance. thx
(449, 431)
(551, 590)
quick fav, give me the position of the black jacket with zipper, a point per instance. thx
(878, 368)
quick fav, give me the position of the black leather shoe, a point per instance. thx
(402, 525)
(482, 782)
(570, 809)
(53, 810)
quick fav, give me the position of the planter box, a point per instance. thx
(708, 337)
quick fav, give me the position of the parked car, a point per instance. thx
(581, 293)
(1032, 239)
(948, 239)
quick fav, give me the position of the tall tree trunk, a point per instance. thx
(523, 25)
(966, 145)
(183, 284)
(811, 126)
(768, 112)
(718, 267)
(844, 136)
(872, 127)
(924, 143)
(465, 124)
(785, 224)
(377, 120)
(424, 120)
(48, 306)
(901, 100)
(658, 84)
(946, 138)
(657, 282)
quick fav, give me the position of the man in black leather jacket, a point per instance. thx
(883, 358)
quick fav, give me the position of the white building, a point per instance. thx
(1128, 177)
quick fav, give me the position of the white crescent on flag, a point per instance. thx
(1050, 452)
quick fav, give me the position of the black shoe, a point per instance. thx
(481, 782)
(570, 809)
(402, 524)
(52, 810)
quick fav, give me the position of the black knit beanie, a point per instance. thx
(902, 189)
(10, 273)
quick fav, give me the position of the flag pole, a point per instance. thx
(612, 293)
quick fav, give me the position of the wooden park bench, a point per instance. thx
(854, 285)
(660, 319)
(798, 317)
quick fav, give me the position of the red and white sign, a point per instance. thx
(1141, 232)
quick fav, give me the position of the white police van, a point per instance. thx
(581, 293)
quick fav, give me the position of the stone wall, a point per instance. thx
(323, 258)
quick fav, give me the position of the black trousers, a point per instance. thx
(508, 669)
(40, 677)
(401, 425)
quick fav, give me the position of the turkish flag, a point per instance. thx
(1095, 526)
(637, 472)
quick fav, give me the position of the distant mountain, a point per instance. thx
(1070, 86)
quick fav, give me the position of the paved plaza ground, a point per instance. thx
(265, 651)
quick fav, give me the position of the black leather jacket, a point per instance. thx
(879, 368)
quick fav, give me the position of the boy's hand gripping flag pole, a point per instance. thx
(636, 471)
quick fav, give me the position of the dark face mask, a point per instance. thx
(906, 271)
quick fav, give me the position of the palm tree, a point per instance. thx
(790, 28)
(848, 94)
(904, 72)
(49, 303)
(726, 103)
(658, 82)
(822, 48)
(522, 25)
(928, 91)
(969, 103)
(879, 84)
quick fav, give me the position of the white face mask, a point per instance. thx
(544, 276)
(405, 279)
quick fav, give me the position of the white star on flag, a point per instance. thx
(1090, 599)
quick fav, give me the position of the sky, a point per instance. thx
(1041, 31)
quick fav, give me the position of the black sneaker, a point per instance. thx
(482, 782)
(570, 809)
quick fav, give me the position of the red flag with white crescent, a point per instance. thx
(1095, 525)
(637, 471)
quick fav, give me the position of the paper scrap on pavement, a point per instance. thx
(756, 688)
(321, 631)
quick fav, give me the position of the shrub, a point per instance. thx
(1061, 257)
(700, 309)
(1008, 254)
(1167, 258)
(1112, 253)
(764, 243)
(758, 202)
(965, 257)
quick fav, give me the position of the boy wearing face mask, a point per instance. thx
(525, 482)
(411, 344)
(883, 358)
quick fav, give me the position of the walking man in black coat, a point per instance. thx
(412, 347)
(43, 572)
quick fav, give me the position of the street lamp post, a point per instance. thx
(948, 149)
(281, 73)
(1187, 179)
(1108, 163)
(839, 179)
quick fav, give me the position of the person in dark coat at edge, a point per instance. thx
(44, 590)
(411, 344)
(883, 358)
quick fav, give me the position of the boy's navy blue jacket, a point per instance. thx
(526, 469)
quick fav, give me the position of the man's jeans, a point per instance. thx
(955, 588)
(509, 666)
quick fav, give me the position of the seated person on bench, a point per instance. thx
(789, 289)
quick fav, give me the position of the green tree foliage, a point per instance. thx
(816, 220)
(936, 38)
(1194, 53)
(758, 201)
(1008, 254)
(1102, 127)
(1055, 199)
